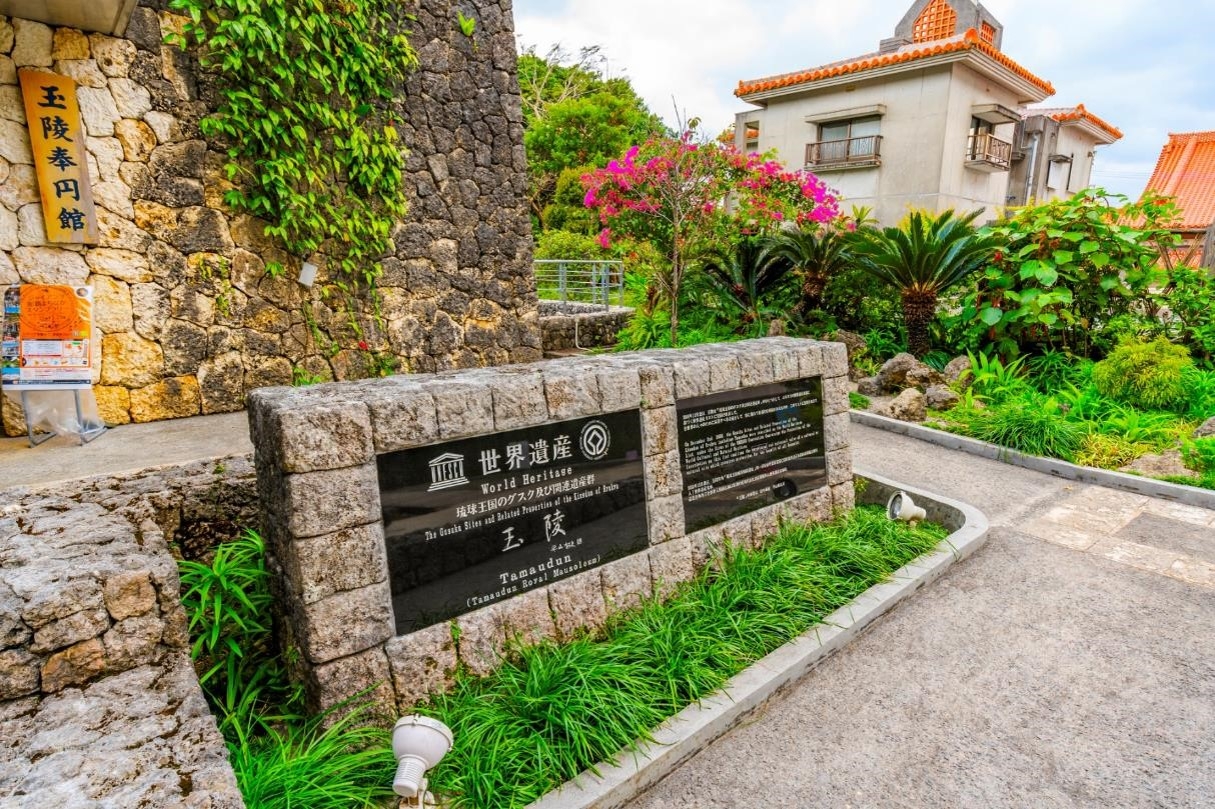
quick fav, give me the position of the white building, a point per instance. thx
(936, 119)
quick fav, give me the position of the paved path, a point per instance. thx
(1070, 663)
(124, 449)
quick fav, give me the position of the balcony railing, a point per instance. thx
(863, 151)
(984, 150)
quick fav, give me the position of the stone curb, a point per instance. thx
(1176, 492)
(685, 734)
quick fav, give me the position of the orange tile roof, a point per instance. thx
(1186, 170)
(970, 41)
(1079, 113)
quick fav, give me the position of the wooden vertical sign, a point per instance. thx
(53, 118)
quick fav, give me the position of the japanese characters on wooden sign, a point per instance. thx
(53, 117)
(47, 337)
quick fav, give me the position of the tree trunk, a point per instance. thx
(673, 303)
(812, 292)
(919, 308)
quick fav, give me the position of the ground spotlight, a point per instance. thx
(901, 507)
(419, 743)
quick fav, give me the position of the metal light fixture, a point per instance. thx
(419, 743)
(901, 507)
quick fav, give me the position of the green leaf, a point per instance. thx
(1100, 260)
(991, 315)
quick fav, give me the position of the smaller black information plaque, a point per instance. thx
(745, 449)
(468, 523)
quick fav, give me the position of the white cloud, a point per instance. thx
(1146, 68)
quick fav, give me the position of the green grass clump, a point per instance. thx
(305, 764)
(1108, 451)
(1199, 455)
(1031, 424)
(1145, 375)
(1199, 387)
(281, 758)
(858, 401)
(553, 710)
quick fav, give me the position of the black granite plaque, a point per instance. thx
(745, 449)
(468, 523)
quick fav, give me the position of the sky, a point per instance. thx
(1145, 66)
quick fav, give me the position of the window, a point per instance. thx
(856, 140)
(987, 33)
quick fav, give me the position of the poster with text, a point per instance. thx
(47, 337)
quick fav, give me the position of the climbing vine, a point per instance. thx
(305, 110)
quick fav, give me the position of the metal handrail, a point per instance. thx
(580, 281)
(865, 149)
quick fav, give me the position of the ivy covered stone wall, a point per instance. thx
(188, 319)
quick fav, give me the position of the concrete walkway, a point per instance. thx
(1070, 663)
(124, 449)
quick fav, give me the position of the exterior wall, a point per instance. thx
(188, 322)
(911, 130)
(1074, 176)
(92, 629)
(964, 188)
(924, 138)
(316, 452)
(1033, 178)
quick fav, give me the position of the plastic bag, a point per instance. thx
(54, 411)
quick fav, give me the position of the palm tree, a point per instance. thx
(922, 259)
(815, 255)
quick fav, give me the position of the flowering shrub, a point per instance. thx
(684, 196)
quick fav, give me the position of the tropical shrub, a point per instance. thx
(674, 192)
(562, 244)
(815, 255)
(993, 380)
(1199, 387)
(1199, 455)
(1190, 301)
(1051, 370)
(1144, 375)
(1108, 451)
(922, 259)
(744, 276)
(1065, 269)
(852, 301)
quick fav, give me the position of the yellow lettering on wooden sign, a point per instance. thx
(53, 118)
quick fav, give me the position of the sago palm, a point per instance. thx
(815, 254)
(923, 258)
(744, 275)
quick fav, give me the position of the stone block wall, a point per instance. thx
(316, 451)
(566, 325)
(188, 321)
(99, 702)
